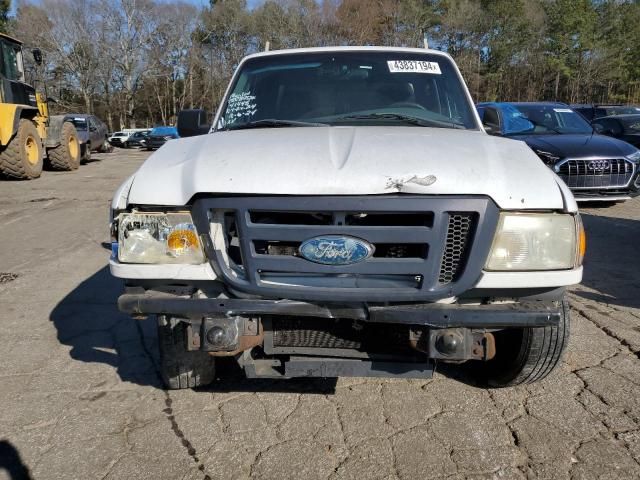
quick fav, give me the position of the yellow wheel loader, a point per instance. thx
(28, 135)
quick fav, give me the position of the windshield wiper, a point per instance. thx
(274, 123)
(422, 122)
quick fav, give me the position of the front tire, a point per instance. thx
(106, 147)
(87, 155)
(526, 355)
(179, 367)
(21, 159)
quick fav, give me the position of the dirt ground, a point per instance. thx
(80, 396)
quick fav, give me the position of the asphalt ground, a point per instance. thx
(80, 396)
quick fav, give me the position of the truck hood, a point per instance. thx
(348, 161)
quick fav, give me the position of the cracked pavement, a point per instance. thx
(81, 398)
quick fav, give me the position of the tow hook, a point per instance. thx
(454, 344)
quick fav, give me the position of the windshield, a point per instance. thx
(79, 123)
(164, 131)
(348, 88)
(11, 61)
(543, 119)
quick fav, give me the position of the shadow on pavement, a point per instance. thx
(11, 463)
(612, 262)
(88, 321)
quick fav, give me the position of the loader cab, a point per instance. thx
(14, 89)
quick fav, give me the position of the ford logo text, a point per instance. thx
(336, 250)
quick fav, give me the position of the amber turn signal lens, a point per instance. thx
(181, 241)
(582, 243)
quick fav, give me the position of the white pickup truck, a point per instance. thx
(347, 215)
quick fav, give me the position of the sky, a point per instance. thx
(200, 3)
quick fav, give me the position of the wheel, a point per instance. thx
(22, 158)
(106, 147)
(66, 156)
(86, 158)
(526, 355)
(179, 367)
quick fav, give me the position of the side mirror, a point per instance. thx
(192, 123)
(599, 129)
(37, 56)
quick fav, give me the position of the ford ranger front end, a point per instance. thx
(347, 215)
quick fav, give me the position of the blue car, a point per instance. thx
(159, 136)
(594, 167)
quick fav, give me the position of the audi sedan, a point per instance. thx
(595, 167)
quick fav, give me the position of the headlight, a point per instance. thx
(635, 156)
(168, 137)
(537, 241)
(158, 238)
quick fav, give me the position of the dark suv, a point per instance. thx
(596, 111)
(594, 167)
(159, 136)
(623, 127)
(92, 133)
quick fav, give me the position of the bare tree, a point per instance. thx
(129, 27)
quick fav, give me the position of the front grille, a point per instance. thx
(458, 234)
(596, 173)
(425, 247)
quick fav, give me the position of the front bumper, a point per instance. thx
(433, 315)
(155, 144)
(605, 195)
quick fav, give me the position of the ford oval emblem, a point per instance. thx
(336, 250)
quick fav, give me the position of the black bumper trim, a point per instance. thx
(529, 314)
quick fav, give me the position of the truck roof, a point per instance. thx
(347, 49)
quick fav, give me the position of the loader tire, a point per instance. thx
(21, 159)
(66, 156)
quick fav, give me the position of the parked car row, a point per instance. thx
(598, 161)
(149, 139)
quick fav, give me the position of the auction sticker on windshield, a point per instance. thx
(413, 66)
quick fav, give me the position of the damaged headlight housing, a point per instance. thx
(537, 241)
(145, 237)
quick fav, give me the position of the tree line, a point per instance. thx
(139, 62)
